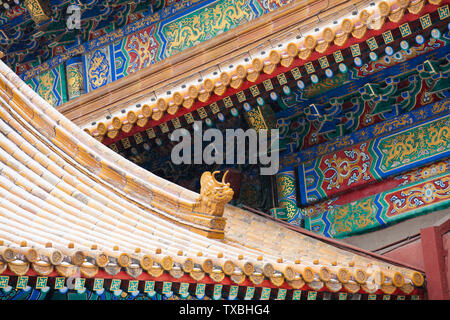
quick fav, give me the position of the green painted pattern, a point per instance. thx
(204, 24)
(51, 85)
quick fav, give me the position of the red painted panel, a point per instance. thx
(410, 253)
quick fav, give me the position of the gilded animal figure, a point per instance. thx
(214, 195)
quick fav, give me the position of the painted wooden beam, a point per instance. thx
(434, 261)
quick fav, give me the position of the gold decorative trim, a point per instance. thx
(217, 275)
(19, 268)
(333, 286)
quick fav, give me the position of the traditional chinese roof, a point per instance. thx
(68, 202)
(291, 49)
(32, 31)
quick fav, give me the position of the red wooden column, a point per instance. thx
(434, 261)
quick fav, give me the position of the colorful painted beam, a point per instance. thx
(375, 160)
(398, 181)
(430, 111)
(359, 110)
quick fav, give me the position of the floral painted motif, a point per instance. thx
(419, 196)
(347, 170)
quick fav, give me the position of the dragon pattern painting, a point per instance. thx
(98, 70)
(45, 88)
(205, 24)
